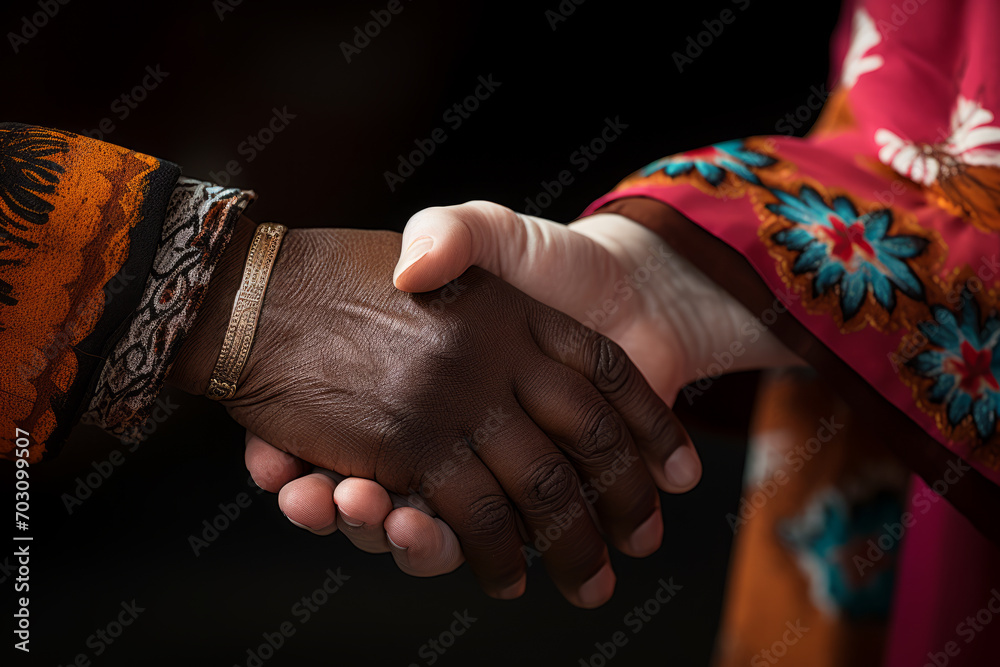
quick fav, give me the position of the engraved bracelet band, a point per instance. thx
(246, 310)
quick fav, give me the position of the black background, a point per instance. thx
(129, 540)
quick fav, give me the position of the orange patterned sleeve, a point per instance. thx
(80, 221)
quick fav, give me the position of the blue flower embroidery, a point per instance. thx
(848, 250)
(964, 366)
(712, 162)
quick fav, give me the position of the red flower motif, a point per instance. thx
(973, 369)
(846, 239)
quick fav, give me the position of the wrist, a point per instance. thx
(687, 325)
(196, 360)
(728, 334)
(665, 308)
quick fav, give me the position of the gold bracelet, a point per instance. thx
(246, 310)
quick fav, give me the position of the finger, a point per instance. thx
(308, 503)
(656, 431)
(270, 467)
(544, 487)
(482, 517)
(543, 258)
(424, 546)
(594, 436)
(362, 506)
(412, 500)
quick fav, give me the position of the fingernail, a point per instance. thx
(420, 247)
(322, 531)
(353, 523)
(682, 469)
(393, 544)
(515, 590)
(598, 589)
(646, 538)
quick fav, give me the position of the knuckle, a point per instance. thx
(550, 486)
(448, 338)
(665, 431)
(612, 370)
(602, 434)
(490, 520)
(413, 459)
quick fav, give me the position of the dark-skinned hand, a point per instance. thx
(487, 405)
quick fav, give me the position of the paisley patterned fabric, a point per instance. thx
(199, 220)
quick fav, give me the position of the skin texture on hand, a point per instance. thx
(490, 407)
(611, 273)
(608, 271)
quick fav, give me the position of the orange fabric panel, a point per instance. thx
(777, 603)
(57, 269)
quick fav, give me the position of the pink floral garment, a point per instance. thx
(881, 234)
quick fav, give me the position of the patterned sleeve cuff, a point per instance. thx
(199, 221)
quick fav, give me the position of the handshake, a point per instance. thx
(445, 413)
